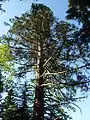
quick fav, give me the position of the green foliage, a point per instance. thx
(24, 110)
(7, 63)
(5, 57)
(15, 105)
(79, 10)
(9, 108)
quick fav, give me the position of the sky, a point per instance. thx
(16, 8)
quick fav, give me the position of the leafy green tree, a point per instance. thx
(5, 57)
(48, 47)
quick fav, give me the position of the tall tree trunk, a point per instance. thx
(39, 90)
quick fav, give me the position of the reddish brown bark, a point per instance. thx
(39, 103)
(38, 113)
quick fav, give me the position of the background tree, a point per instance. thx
(80, 10)
(24, 110)
(48, 47)
(6, 66)
(15, 105)
(9, 108)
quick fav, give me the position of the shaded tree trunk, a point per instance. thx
(39, 90)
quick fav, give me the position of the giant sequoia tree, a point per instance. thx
(48, 47)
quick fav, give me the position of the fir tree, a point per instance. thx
(23, 110)
(9, 108)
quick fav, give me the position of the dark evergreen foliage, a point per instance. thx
(16, 106)
(80, 10)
